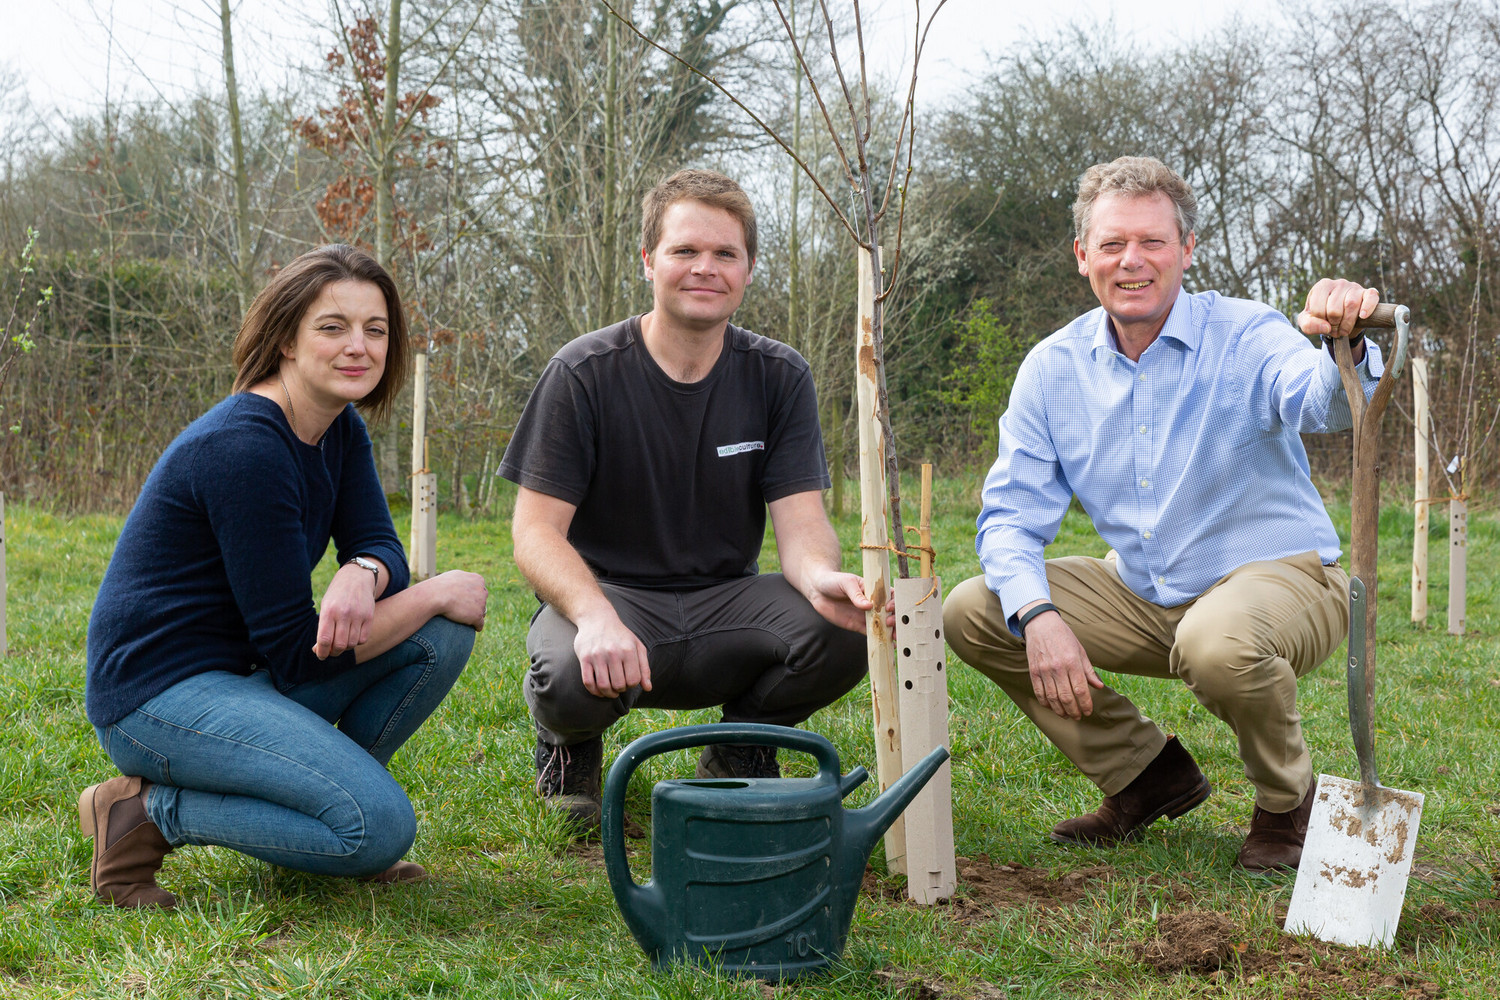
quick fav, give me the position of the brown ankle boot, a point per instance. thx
(1169, 786)
(128, 848)
(1275, 840)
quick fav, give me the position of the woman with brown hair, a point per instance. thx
(239, 714)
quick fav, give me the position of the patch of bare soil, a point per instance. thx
(282, 934)
(910, 987)
(1207, 944)
(891, 888)
(590, 852)
(1430, 920)
(983, 884)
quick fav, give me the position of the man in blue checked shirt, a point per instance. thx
(1175, 419)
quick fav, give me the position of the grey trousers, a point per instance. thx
(753, 645)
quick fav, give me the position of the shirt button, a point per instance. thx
(1146, 533)
(1143, 428)
(1161, 579)
(1143, 376)
(1145, 484)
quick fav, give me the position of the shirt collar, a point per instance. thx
(1179, 327)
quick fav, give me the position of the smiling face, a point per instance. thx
(699, 268)
(339, 353)
(1134, 260)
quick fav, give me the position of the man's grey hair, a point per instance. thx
(1134, 176)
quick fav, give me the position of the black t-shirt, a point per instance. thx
(670, 478)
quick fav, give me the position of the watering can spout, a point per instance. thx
(867, 825)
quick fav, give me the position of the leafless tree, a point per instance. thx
(875, 169)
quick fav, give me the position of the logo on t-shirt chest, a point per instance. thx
(727, 450)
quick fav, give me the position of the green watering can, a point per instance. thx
(750, 875)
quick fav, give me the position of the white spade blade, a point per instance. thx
(1355, 864)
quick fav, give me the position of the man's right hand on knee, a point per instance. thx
(1061, 673)
(612, 659)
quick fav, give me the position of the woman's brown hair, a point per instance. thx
(272, 320)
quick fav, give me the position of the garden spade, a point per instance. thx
(1361, 835)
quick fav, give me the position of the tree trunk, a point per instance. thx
(873, 538)
(243, 253)
(385, 141)
(608, 264)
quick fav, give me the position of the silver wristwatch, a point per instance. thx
(368, 564)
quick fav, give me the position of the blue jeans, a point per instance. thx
(236, 763)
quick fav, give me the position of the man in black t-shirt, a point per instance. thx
(647, 458)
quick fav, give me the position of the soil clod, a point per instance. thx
(1193, 941)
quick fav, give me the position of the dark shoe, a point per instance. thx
(1169, 786)
(401, 871)
(568, 779)
(737, 760)
(1275, 840)
(128, 848)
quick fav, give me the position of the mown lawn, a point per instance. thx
(516, 910)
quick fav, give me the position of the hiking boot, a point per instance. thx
(128, 848)
(1169, 786)
(737, 760)
(1275, 840)
(568, 779)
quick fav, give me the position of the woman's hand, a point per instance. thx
(348, 611)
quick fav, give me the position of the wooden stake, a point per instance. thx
(4, 644)
(1458, 565)
(874, 539)
(924, 525)
(423, 554)
(1421, 513)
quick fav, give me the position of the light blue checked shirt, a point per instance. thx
(1188, 461)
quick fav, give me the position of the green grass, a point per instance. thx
(515, 910)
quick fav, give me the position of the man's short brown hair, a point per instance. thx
(708, 186)
(1134, 177)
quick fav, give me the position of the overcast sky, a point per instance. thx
(59, 48)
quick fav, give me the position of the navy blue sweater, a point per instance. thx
(213, 567)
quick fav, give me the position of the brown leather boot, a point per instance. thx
(128, 848)
(1169, 786)
(1275, 840)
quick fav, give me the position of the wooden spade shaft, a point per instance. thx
(1364, 529)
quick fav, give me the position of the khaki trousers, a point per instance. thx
(1239, 648)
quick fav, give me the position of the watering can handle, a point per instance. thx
(613, 819)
